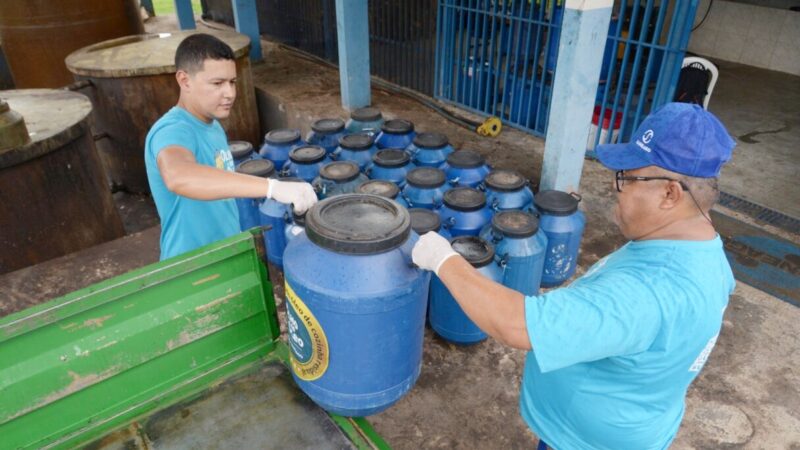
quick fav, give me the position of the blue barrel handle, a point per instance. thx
(447, 224)
(501, 261)
(412, 241)
(576, 196)
(495, 204)
(454, 181)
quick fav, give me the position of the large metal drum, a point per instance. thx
(54, 198)
(133, 84)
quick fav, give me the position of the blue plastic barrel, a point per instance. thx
(277, 216)
(305, 162)
(425, 220)
(337, 178)
(464, 211)
(278, 144)
(466, 168)
(563, 224)
(520, 246)
(296, 226)
(326, 133)
(241, 151)
(248, 207)
(425, 188)
(358, 148)
(395, 133)
(447, 318)
(355, 305)
(383, 188)
(507, 190)
(429, 149)
(391, 164)
(365, 120)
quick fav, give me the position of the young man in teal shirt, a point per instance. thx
(612, 355)
(189, 166)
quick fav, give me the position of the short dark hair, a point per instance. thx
(197, 48)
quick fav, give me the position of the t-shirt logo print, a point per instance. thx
(224, 160)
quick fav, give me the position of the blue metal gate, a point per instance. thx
(498, 57)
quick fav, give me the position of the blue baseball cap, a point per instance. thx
(680, 137)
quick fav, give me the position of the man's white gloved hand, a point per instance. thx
(301, 195)
(431, 251)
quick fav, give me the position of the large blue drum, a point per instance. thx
(429, 149)
(520, 245)
(305, 162)
(465, 168)
(241, 151)
(425, 188)
(395, 133)
(326, 133)
(390, 164)
(296, 226)
(447, 318)
(385, 189)
(358, 148)
(355, 305)
(365, 120)
(507, 190)
(278, 144)
(337, 178)
(248, 207)
(464, 212)
(425, 220)
(276, 217)
(563, 224)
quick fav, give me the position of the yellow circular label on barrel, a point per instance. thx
(309, 346)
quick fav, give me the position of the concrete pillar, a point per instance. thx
(580, 53)
(245, 16)
(183, 8)
(353, 35)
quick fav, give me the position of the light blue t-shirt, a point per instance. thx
(614, 352)
(187, 224)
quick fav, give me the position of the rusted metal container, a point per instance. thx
(38, 34)
(54, 198)
(133, 84)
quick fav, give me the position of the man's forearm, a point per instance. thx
(208, 183)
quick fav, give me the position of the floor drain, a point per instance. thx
(761, 213)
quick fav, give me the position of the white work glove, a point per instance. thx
(301, 195)
(431, 251)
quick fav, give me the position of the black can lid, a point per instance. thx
(424, 220)
(431, 140)
(328, 126)
(505, 180)
(283, 136)
(391, 157)
(307, 154)
(358, 224)
(425, 177)
(474, 249)
(339, 171)
(515, 224)
(299, 219)
(465, 159)
(464, 199)
(379, 187)
(397, 126)
(556, 203)
(240, 149)
(292, 179)
(358, 141)
(367, 114)
(257, 167)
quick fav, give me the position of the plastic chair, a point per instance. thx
(708, 65)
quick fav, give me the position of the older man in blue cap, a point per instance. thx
(612, 354)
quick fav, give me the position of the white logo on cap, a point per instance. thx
(647, 136)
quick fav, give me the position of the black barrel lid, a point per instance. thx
(556, 203)
(431, 140)
(505, 180)
(379, 187)
(464, 199)
(515, 224)
(328, 126)
(367, 114)
(339, 171)
(358, 141)
(282, 136)
(391, 157)
(240, 149)
(425, 177)
(358, 224)
(465, 159)
(474, 249)
(424, 220)
(299, 219)
(397, 126)
(307, 154)
(257, 167)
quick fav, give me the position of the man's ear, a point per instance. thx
(184, 79)
(672, 195)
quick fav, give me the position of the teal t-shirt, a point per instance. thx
(187, 224)
(614, 352)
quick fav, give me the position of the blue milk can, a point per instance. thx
(563, 224)
(358, 148)
(520, 246)
(278, 144)
(395, 133)
(278, 217)
(447, 318)
(355, 305)
(337, 178)
(383, 188)
(248, 207)
(465, 212)
(241, 151)
(391, 164)
(507, 190)
(425, 188)
(326, 133)
(465, 168)
(305, 162)
(365, 120)
(429, 149)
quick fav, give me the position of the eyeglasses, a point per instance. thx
(621, 179)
